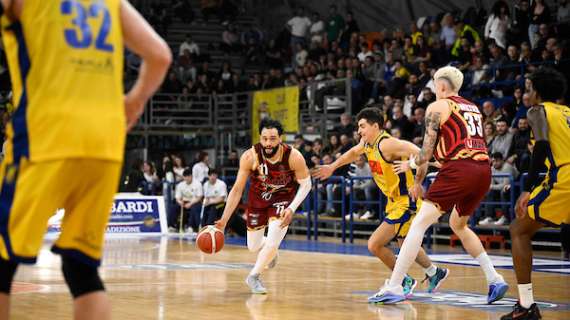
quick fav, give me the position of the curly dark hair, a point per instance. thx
(549, 84)
(268, 123)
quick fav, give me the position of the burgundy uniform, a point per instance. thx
(272, 187)
(465, 175)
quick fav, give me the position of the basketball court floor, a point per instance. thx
(155, 277)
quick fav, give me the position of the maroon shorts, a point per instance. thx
(462, 184)
(258, 218)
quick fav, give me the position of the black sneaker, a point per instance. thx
(521, 313)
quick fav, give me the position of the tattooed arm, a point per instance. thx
(437, 113)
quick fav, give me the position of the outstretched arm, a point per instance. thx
(325, 171)
(245, 165)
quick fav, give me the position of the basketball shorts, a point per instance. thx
(32, 192)
(400, 214)
(258, 218)
(548, 202)
(462, 184)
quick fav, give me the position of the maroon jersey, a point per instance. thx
(462, 136)
(271, 182)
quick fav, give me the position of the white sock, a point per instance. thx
(431, 270)
(526, 298)
(490, 273)
(427, 216)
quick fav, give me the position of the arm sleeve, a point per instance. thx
(537, 120)
(302, 192)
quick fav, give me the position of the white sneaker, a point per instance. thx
(487, 221)
(355, 216)
(502, 221)
(367, 215)
(172, 230)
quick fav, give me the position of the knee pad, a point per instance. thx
(80, 278)
(7, 271)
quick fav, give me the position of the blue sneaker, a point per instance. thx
(435, 281)
(497, 291)
(409, 285)
(388, 295)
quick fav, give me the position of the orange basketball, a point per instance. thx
(210, 239)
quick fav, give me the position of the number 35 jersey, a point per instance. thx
(462, 136)
(66, 64)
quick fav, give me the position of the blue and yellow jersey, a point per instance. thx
(558, 119)
(66, 66)
(394, 186)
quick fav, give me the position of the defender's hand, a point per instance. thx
(416, 191)
(322, 172)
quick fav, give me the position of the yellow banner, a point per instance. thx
(280, 104)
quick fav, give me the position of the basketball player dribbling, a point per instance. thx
(454, 135)
(279, 182)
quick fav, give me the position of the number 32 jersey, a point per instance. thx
(462, 136)
(66, 64)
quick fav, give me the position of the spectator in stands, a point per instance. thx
(300, 57)
(231, 164)
(188, 196)
(499, 190)
(350, 29)
(490, 113)
(135, 178)
(520, 156)
(335, 24)
(448, 34)
(512, 69)
(230, 40)
(503, 139)
(464, 55)
(215, 194)
(178, 167)
(346, 125)
(365, 188)
(152, 182)
(497, 61)
(522, 107)
(521, 22)
(171, 84)
(563, 13)
(200, 169)
(345, 142)
(190, 45)
(317, 29)
(489, 132)
(418, 121)
(539, 14)
(400, 120)
(498, 23)
(333, 147)
(464, 31)
(299, 27)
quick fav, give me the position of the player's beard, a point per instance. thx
(272, 153)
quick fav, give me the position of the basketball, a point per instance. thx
(210, 240)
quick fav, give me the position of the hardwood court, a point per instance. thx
(167, 278)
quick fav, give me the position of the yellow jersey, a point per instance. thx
(66, 65)
(394, 186)
(558, 119)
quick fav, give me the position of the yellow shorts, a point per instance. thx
(400, 213)
(32, 192)
(548, 202)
